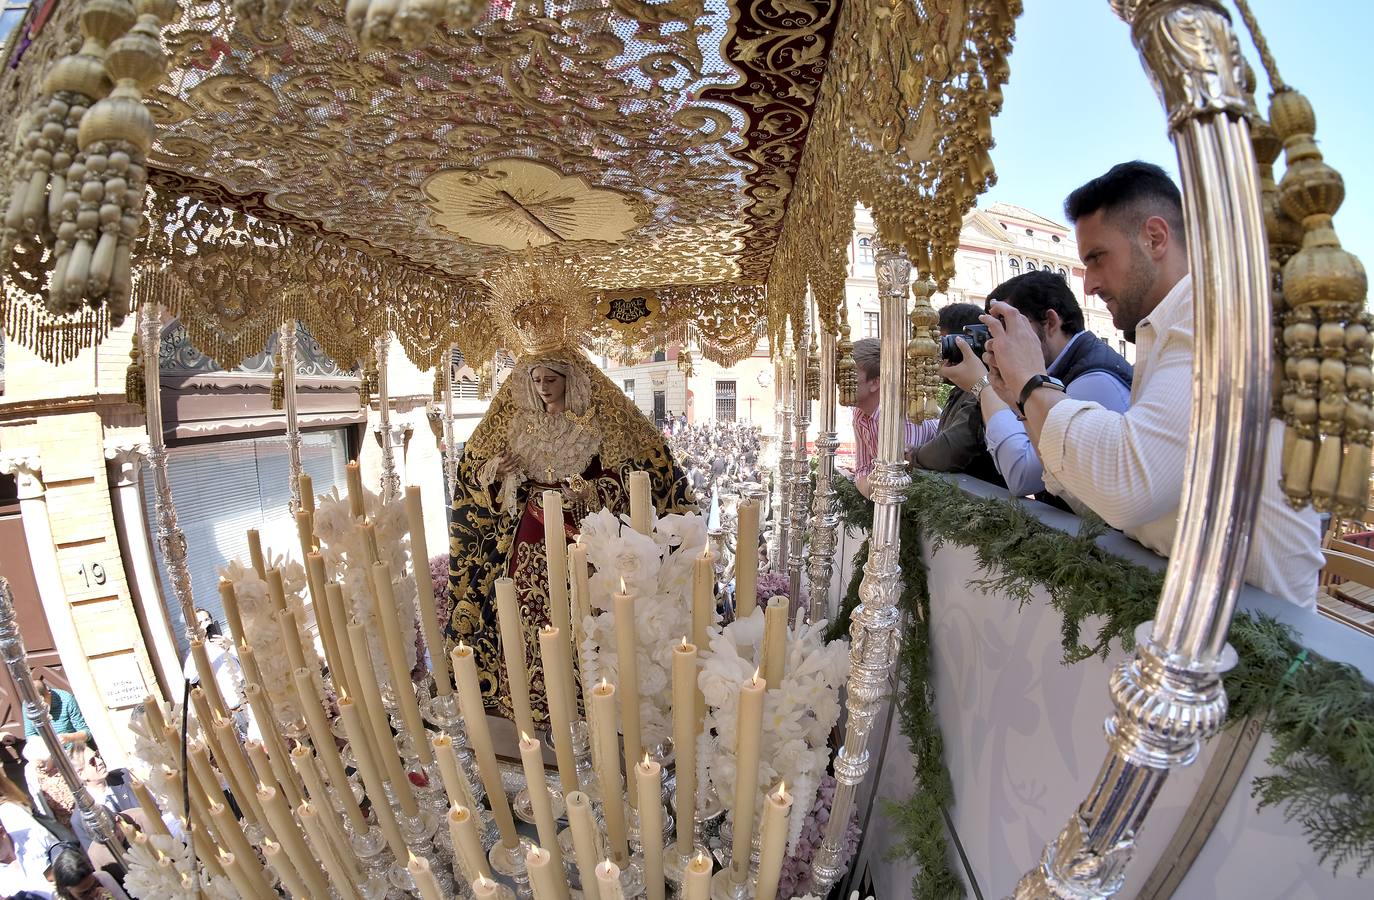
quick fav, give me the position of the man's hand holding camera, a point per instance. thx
(1014, 356)
(969, 370)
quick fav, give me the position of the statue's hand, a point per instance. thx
(505, 466)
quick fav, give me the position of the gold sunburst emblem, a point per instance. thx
(520, 203)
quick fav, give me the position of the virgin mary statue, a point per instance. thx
(557, 422)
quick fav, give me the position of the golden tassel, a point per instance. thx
(684, 363)
(135, 391)
(1326, 336)
(439, 381)
(922, 356)
(846, 375)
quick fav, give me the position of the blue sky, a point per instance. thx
(1079, 102)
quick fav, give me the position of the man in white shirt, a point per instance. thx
(1128, 467)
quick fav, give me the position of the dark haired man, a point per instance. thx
(867, 365)
(1088, 368)
(1128, 468)
(959, 444)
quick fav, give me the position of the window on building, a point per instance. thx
(660, 356)
(630, 388)
(1063, 273)
(224, 488)
(1015, 265)
(725, 401)
(865, 254)
(870, 324)
(1121, 347)
(1055, 238)
(1030, 231)
(465, 389)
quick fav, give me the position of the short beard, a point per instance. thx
(1130, 302)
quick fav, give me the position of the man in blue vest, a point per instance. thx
(1085, 366)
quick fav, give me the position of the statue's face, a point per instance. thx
(549, 385)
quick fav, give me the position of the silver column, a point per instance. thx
(171, 540)
(783, 511)
(825, 519)
(391, 480)
(450, 454)
(293, 427)
(1169, 698)
(96, 817)
(874, 628)
(798, 502)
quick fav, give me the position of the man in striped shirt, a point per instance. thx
(1128, 467)
(867, 355)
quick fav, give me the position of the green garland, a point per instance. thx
(1319, 712)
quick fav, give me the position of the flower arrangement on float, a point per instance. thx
(160, 867)
(657, 569)
(798, 714)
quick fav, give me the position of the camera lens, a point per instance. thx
(949, 350)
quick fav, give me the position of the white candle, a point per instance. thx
(774, 650)
(747, 559)
(401, 685)
(580, 580)
(532, 759)
(583, 829)
(608, 769)
(686, 724)
(380, 725)
(425, 883)
(750, 732)
(558, 683)
(776, 808)
(547, 877)
(513, 651)
(556, 549)
(307, 494)
(429, 616)
(649, 774)
(627, 660)
(483, 888)
(479, 736)
(641, 502)
(608, 881)
(255, 554)
(703, 597)
(462, 830)
(372, 777)
(354, 477)
(455, 780)
(699, 877)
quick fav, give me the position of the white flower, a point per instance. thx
(682, 533)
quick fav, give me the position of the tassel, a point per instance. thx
(439, 382)
(135, 391)
(846, 376)
(813, 370)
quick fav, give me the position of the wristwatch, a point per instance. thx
(977, 389)
(1035, 382)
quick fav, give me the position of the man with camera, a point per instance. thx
(1080, 363)
(959, 444)
(1128, 467)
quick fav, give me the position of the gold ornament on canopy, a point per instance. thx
(923, 355)
(846, 371)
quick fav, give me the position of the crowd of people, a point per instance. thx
(46, 849)
(717, 457)
(1043, 407)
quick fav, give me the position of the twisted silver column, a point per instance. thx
(798, 502)
(825, 519)
(874, 628)
(293, 427)
(450, 454)
(1169, 698)
(783, 521)
(391, 480)
(96, 818)
(171, 540)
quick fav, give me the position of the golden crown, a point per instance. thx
(540, 305)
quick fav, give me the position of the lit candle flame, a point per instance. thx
(646, 757)
(604, 684)
(622, 584)
(485, 883)
(462, 647)
(782, 790)
(523, 736)
(684, 642)
(755, 679)
(700, 859)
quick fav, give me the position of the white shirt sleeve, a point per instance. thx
(1127, 467)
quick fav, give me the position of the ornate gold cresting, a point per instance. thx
(1323, 366)
(540, 304)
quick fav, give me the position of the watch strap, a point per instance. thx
(1032, 384)
(978, 387)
